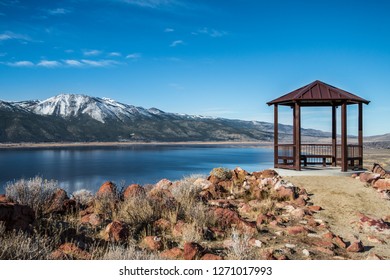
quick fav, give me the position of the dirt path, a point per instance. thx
(342, 198)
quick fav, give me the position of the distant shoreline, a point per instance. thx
(128, 144)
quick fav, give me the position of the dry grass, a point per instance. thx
(35, 192)
(136, 211)
(240, 249)
(83, 197)
(131, 252)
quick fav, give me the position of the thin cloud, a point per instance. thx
(167, 30)
(73, 63)
(92, 52)
(49, 63)
(58, 11)
(210, 32)
(22, 63)
(8, 35)
(154, 4)
(177, 43)
(115, 54)
(99, 63)
(133, 56)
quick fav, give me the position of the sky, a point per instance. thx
(212, 58)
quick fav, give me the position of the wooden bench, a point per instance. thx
(305, 158)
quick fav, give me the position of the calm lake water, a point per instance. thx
(88, 168)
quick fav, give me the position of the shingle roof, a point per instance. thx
(318, 93)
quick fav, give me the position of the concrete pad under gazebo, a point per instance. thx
(317, 93)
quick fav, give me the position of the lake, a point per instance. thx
(88, 167)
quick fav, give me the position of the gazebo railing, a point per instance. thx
(312, 154)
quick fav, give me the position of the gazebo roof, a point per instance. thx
(318, 93)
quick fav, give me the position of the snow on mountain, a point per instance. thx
(100, 109)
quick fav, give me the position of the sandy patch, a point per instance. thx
(342, 198)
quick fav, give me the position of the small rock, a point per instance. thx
(382, 184)
(290, 246)
(356, 247)
(375, 239)
(107, 189)
(152, 243)
(328, 235)
(294, 230)
(163, 184)
(314, 208)
(306, 252)
(116, 231)
(192, 251)
(339, 242)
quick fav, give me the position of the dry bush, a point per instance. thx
(136, 211)
(106, 205)
(240, 249)
(267, 205)
(35, 192)
(221, 173)
(192, 233)
(83, 197)
(187, 194)
(22, 246)
(131, 252)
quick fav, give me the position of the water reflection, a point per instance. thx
(77, 168)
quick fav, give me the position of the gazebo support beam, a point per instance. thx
(297, 136)
(360, 134)
(334, 135)
(276, 136)
(344, 147)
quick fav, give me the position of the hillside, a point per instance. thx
(81, 118)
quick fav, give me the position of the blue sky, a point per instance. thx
(216, 58)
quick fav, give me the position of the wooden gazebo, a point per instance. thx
(292, 156)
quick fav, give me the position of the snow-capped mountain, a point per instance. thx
(100, 109)
(74, 117)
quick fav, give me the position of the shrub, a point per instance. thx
(115, 252)
(35, 192)
(240, 249)
(83, 196)
(136, 211)
(221, 173)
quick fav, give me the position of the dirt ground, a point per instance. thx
(341, 199)
(381, 156)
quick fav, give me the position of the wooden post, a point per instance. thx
(334, 136)
(297, 136)
(360, 134)
(344, 146)
(276, 136)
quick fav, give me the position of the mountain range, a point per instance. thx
(82, 118)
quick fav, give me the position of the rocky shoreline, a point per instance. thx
(232, 214)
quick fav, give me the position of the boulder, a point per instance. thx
(107, 189)
(116, 231)
(16, 216)
(134, 190)
(152, 243)
(178, 228)
(377, 168)
(172, 254)
(192, 251)
(93, 219)
(163, 184)
(268, 173)
(3, 198)
(339, 242)
(60, 202)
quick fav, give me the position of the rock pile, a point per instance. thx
(378, 178)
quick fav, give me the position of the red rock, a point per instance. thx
(214, 179)
(282, 258)
(3, 198)
(177, 230)
(294, 230)
(211, 257)
(377, 168)
(339, 242)
(324, 244)
(92, 219)
(133, 190)
(116, 231)
(192, 251)
(162, 224)
(107, 189)
(57, 202)
(268, 173)
(172, 254)
(261, 219)
(163, 184)
(375, 225)
(356, 247)
(152, 243)
(326, 251)
(300, 201)
(375, 239)
(285, 194)
(314, 208)
(382, 184)
(226, 217)
(298, 213)
(70, 251)
(16, 216)
(368, 177)
(328, 235)
(267, 255)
